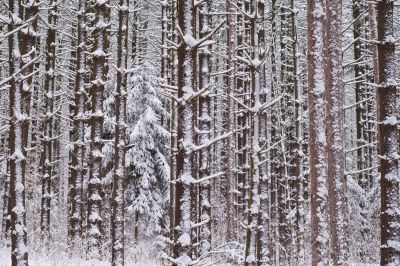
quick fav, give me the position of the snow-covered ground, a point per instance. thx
(140, 256)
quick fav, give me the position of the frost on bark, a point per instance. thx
(182, 246)
(252, 250)
(298, 160)
(21, 58)
(118, 196)
(231, 125)
(388, 136)
(98, 81)
(204, 127)
(77, 153)
(46, 166)
(317, 134)
(21, 46)
(335, 131)
(19, 254)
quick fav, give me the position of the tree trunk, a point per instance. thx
(98, 81)
(317, 134)
(118, 208)
(184, 168)
(75, 193)
(21, 52)
(230, 124)
(47, 142)
(388, 136)
(337, 187)
(204, 126)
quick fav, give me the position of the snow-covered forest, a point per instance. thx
(199, 132)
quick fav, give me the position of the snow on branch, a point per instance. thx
(25, 24)
(209, 143)
(193, 43)
(206, 178)
(33, 61)
(271, 103)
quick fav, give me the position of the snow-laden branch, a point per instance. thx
(357, 103)
(169, 87)
(25, 24)
(194, 43)
(206, 178)
(189, 96)
(33, 61)
(209, 143)
(362, 170)
(372, 144)
(271, 103)
(240, 103)
(249, 16)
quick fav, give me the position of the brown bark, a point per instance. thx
(231, 150)
(317, 134)
(118, 194)
(388, 136)
(337, 187)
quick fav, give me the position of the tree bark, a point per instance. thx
(231, 150)
(204, 126)
(388, 136)
(77, 154)
(317, 134)
(98, 81)
(47, 138)
(182, 247)
(118, 196)
(337, 187)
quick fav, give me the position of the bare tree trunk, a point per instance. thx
(47, 142)
(252, 255)
(21, 54)
(184, 158)
(204, 126)
(337, 187)
(118, 208)
(98, 82)
(317, 138)
(77, 154)
(298, 160)
(231, 147)
(173, 123)
(388, 136)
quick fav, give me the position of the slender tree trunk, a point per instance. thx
(360, 73)
(388, 136)
(253, 230)
(204, 126)
(173, 124)
(184, 167)
(317, 134)
(47, 142)
(117, 227)
(98, 82)
(337, 187)
(231, 147)
(75, 193)
(298, 160)
(21, 52)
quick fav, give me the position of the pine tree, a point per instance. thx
(388, 136)
(98, 76)
(118, 194)
(47, 138)
(317, 120)
(335, 133)
(146, 157)
(77, 139)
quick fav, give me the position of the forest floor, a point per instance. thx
(138, 256)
